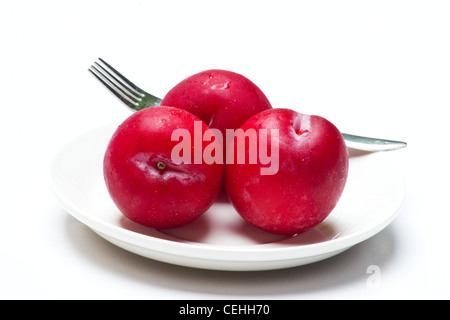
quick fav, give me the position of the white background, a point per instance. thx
(375, 68)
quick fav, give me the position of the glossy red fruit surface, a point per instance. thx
(222, 99)
(308, 183)
(145, 183)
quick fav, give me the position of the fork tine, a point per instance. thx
(116, 90)
(128, 82)
(129, 92)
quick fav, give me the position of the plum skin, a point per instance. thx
(313, 169)
(222, 99)
(144, 182)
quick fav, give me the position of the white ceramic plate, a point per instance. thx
(220, 239)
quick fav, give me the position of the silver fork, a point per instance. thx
(130, 94)
(137, 99)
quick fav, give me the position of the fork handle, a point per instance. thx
(352, 141)
(371, 144)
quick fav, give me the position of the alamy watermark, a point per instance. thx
(258, 147)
